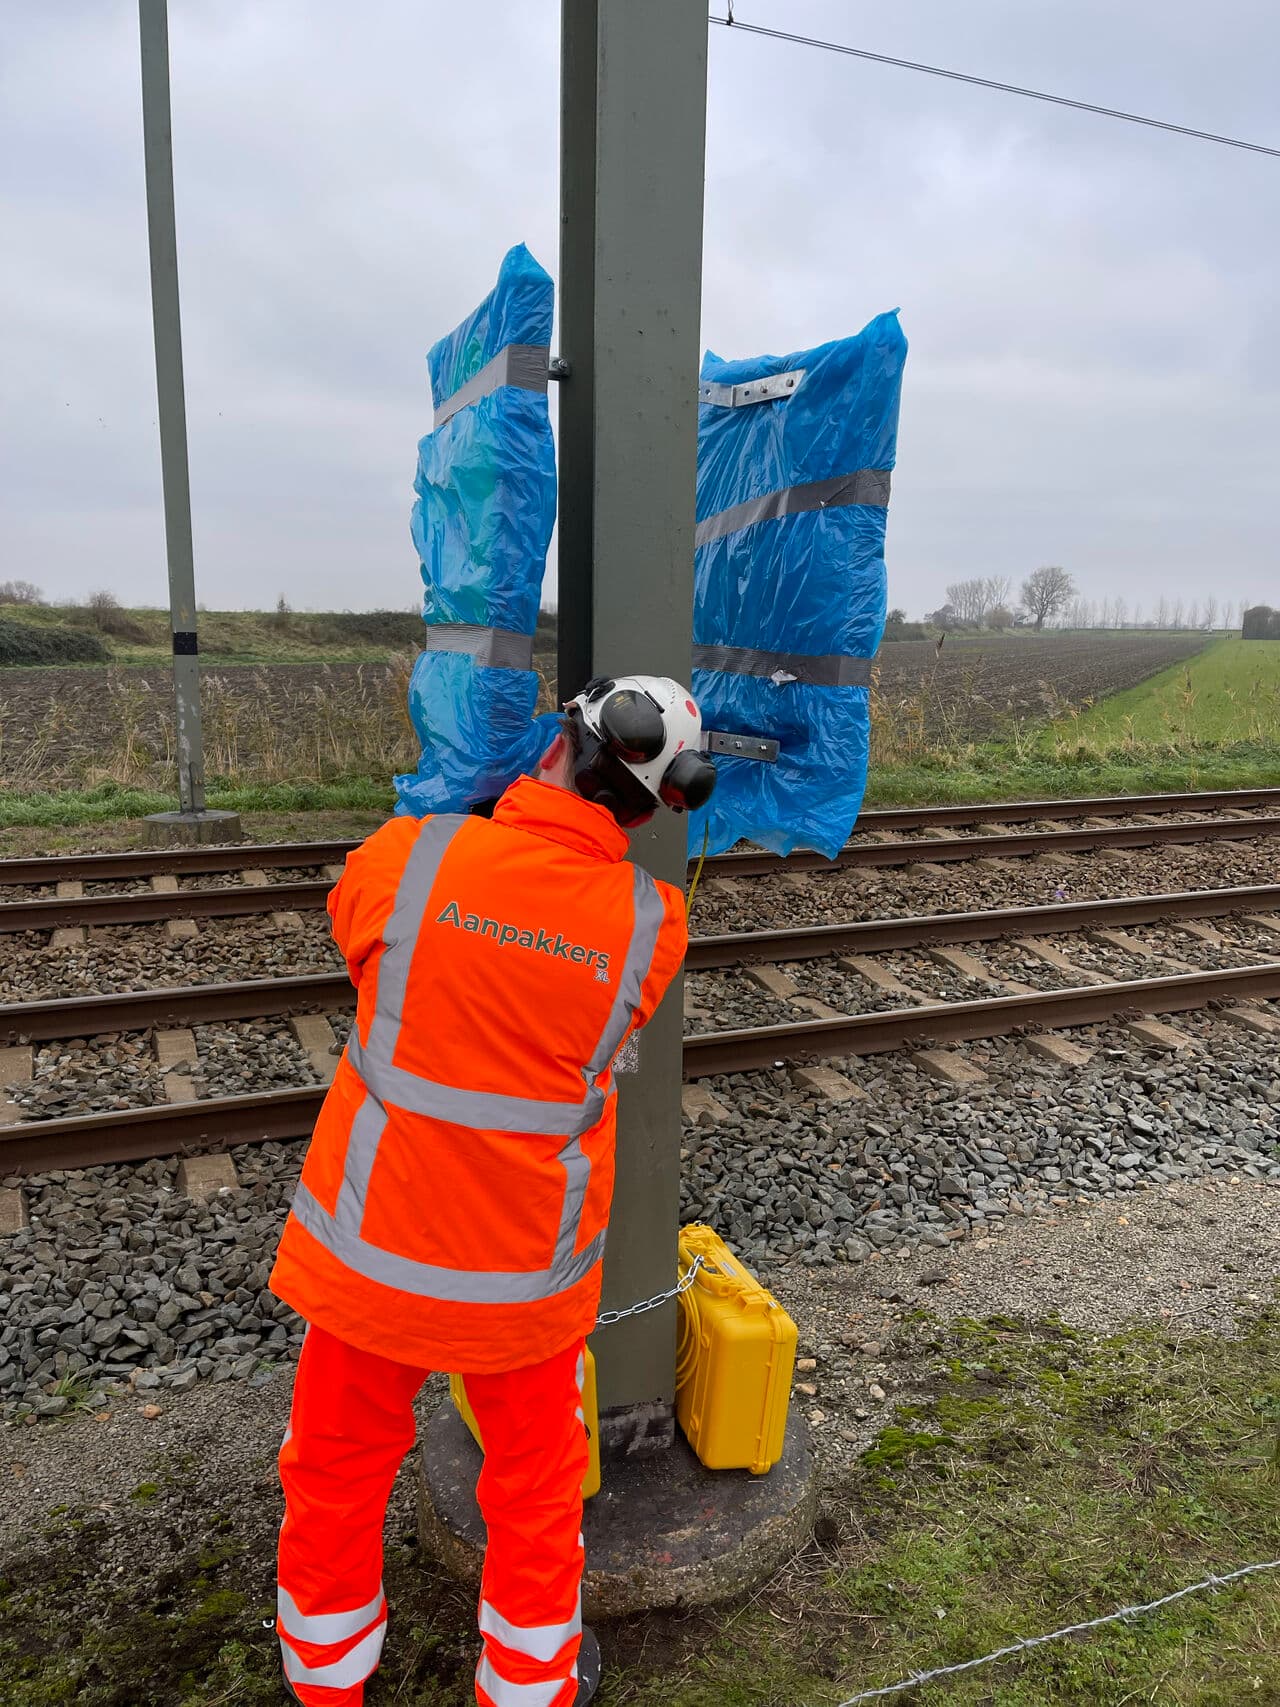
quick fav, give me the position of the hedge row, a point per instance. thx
(24, 643)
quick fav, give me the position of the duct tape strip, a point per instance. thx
(864, 486)
(835, 670)
(523, 365)
(499, 648)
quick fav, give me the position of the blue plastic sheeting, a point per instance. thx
(486, 486)
(800, 591)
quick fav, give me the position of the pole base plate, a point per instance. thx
(169, 829)
(661, 1532)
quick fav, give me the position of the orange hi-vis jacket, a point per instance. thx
(455, 1195)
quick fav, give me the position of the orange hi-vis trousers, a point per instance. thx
(351, 1425)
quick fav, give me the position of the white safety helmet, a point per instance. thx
(638, 745)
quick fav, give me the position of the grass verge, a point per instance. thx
(993, 772)
(1227, 694)
(1045, 1477)
(110, 802)
(1007, 771)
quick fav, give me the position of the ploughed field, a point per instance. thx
(69, 727)
(980, 685)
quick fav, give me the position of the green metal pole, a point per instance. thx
(157, 133)
(632, 169)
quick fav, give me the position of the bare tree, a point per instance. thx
(999, 590)
(1137, 614)
(1000, 617)
(1176, 618)
(1193, 615)
(1045, 593)
(1211, 613)
(1162, 612)
(964, 599)
(19, 593)
(1104, 619)
(1121, 609)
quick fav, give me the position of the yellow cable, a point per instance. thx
(693, 887)
(690, 1336)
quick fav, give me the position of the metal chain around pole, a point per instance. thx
(611, 1316)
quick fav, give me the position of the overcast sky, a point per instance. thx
(1094, 375)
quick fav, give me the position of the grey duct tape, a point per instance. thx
(501, 648)
(523, 365)
(864, 486)
(835, 670)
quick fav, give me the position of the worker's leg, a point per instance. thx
(350, 1428)
(530, 1492)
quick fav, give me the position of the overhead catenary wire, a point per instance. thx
(737, 24)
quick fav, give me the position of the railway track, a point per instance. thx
(203, 1004)
(210, 1123)
(237, 900)
(190, 862)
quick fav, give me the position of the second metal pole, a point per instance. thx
(632, 153)
(157, 133)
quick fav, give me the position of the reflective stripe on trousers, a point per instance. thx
(531, 1618)
(350, 1428)
(385, 1083)
(352, 1666)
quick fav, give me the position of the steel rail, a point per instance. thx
(717, 1052)
(871, 936)
(182, 1005)
(149, 862)
(169, 1129)
(173, 862)
(90, 1140)
(224, 903)
(1090, 806)
(204, 1004)
(758, 864)
(239, 900)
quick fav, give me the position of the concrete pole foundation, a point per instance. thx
(661, 1532)
(173, 829)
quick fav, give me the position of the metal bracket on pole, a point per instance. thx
(558, 368)
(760, 747)
(751, 390)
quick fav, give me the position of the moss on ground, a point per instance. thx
(1046, 1478)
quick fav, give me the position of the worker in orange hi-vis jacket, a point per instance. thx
(455, 1196)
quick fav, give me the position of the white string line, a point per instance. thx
(990, 83)
(918, 1678)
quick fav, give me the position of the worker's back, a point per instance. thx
(453, 1203)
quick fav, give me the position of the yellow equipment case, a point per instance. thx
(737, 1351)
(590, 1414)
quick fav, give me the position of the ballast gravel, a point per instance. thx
(121, 1281)
(775, 901)
(118, 958)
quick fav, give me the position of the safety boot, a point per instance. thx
(588, 1669)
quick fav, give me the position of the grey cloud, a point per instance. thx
(1095, 358)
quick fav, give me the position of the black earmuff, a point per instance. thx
(632, 725)
(688, 781)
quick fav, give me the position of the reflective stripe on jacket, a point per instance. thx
(454, 1199)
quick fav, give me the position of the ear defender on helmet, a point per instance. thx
(638, 744)
(687, 781)
(632, 725)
